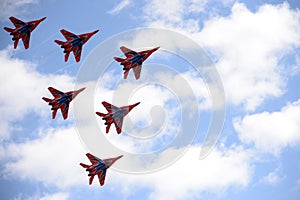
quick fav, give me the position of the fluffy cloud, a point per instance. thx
(272, 178)
(118, 8)
(55, 196)
(52, 159)
(22, 88)
(180, 14)
(271, 132)
(10, 7)
(249, 47)
(156, 121)
(189, 177)
(179, 84)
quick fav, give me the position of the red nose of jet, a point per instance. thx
(133, 105)
(113, 160)
(78, 91)
(117, 158)
(42, 19)
(89, 35)
(94, 32)
(155, 49)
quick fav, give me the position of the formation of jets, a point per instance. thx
(61, 100)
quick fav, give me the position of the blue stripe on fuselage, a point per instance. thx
(137, 58)
(25, 29)
(64, 99)
(99, 166)
(118, 113)
(76, 42)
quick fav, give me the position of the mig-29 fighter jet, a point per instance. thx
(61, 100)
(115, 115)
(133, 60)
(74, 43)
(22, 30)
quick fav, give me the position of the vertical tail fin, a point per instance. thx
(107, 127)
(54, 113)
(67, 56)
(126, 73)
(91, 179)
(16, 43)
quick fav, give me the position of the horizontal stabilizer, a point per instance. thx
(59, 42)
(84, 165)
(100, 114)
(8, 29)
(119, 59)
(46, 99)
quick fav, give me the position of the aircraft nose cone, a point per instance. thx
(42, 19)
(137, 103)
(80, 90)
(155, 49)
(96, 31)
(117, 158)
(133, 105)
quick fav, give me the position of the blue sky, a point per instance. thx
(253, 49)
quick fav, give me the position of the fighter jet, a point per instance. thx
(115, 115)
(74, 43)
(61, 100)
(133, 60)
(98, 167)
(22, 30)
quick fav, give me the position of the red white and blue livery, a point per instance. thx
(74, 43)
(133, 60)
(115, 115)
(61, 101)
(22, 30)
(98, 167)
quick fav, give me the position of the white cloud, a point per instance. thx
(54, 196)
(156, 14)
(12, 7)
(118, 8)
(272, 178)
(52, 159)
(271, 132)
(189, 177)
(179, 84)
(158, 118)
(249, 47)
(22, 88)
(182, 15)
(153, 117)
